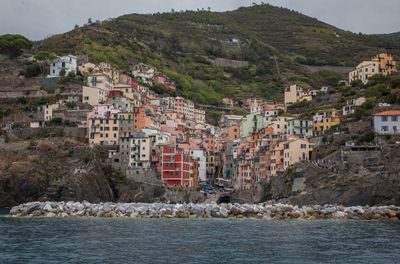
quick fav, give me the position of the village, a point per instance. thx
(143, 131)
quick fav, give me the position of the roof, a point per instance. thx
(388, 113)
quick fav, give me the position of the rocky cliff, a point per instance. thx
(366, 178)
(61, 169)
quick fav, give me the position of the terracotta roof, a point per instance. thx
(388, 113)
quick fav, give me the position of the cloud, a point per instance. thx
(37, 19)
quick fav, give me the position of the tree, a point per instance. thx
(44, 56)
(62, 73)
(89, 21)
(32, 70)
(76, 27)
(13, 45)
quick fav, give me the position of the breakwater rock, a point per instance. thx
(191, 210)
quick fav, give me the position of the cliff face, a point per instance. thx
(61, 169)
(369, 178)
(52, 170)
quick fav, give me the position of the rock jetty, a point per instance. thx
(161, 210)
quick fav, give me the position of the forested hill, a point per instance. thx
(271, 44)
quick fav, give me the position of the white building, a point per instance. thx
(387, 122)
(139, 151)
(364, 71)
(68, 63)
(200, 155)
(351, 105)
(186, 108)
(143, 73)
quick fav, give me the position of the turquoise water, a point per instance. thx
(126, 240)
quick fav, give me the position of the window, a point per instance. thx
(394, 118)
(384, 118)
(384, 128)
(303, 146)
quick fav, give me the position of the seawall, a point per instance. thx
(190, 210)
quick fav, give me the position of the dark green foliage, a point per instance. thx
(366, 138)
(22, 100)
(57, 121)
(32, 70)
(162, 90)
(13, 45)
(62, 73)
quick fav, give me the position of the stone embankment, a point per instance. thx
(158, 210)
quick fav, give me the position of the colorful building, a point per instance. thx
(103, 125)
(324, 120)
(295, 93)
(382, 63)
(176, 167)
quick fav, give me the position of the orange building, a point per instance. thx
(131, 122)
(233, 132)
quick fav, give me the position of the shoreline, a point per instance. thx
(233, 211)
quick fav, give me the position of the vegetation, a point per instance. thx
(275, 42)
(13, 45)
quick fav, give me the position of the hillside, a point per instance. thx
(276, 42)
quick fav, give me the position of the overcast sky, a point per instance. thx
(37, 19)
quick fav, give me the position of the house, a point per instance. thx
(165, 81)
(143, 73)
(232, 132)
(387, 122)
(98, 87)
(300, 127)
(324, 89)
(229, 120)
(117, 99)
(49, 110)
(66, 63)
(103, 125)
(279, 124)
(324, 120)
(228, 101)
(87, 68)
(296, 150)
(200, 155)
(199, 115)
(132, 121)
(252, 123)
(295, 93)
(176, 166)
(139, 151)
(351, 105)
(271, 110)
(36, 124)
(382, 63)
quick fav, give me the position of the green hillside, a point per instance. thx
(276, 42)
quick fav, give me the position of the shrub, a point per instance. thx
(13, 45)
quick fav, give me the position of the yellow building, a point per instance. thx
(382, 63)
(295, 93)
(296, 150)
(103, 125)
(324, 120)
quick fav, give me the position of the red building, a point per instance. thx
(164, 80)
(176, 167)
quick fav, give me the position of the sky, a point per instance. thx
(37, 19)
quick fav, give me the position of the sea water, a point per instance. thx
(130, 240)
